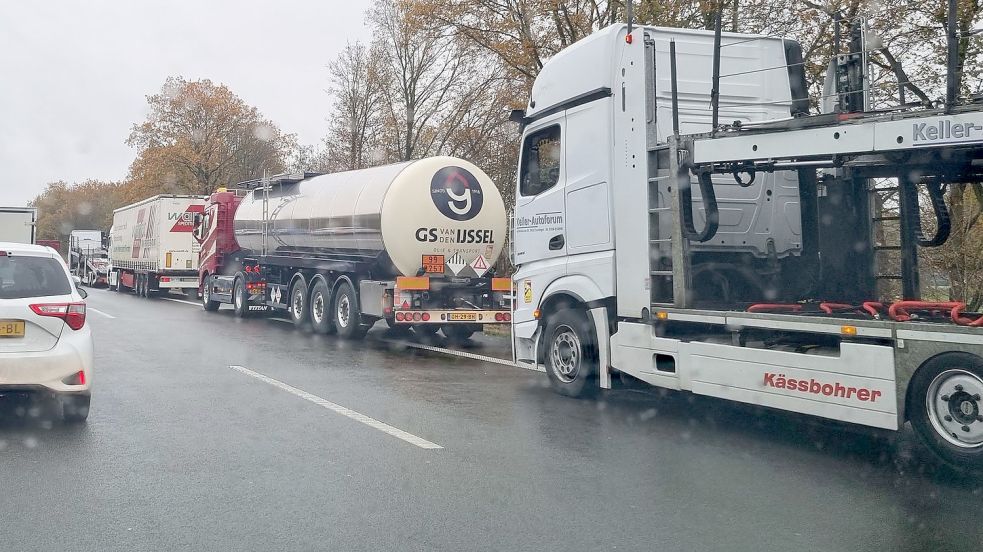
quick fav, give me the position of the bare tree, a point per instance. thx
(357, 85)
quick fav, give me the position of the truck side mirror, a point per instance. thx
(199, 218)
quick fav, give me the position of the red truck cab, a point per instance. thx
(215, 231)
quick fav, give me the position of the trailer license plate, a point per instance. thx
(465, 316)
(11, 328)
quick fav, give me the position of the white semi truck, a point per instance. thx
(151, 245)
(763, 287)
(18, 224)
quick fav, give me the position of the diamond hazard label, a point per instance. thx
(456, 263)
(480, 265)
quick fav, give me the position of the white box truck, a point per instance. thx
(17, 224)
(763, 287)
(152, 247)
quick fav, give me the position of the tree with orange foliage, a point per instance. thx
(200, 136)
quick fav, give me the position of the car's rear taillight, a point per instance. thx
(72, 313)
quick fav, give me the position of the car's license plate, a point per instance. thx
(468, 316)
(11, 328)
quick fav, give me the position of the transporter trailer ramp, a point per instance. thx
(805, 326)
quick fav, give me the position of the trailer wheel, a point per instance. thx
(571, 355)
(320, 302)
(298, 303)
(946, 409)
(457, 332)
(240, 301)
(426, 330)
(347, 319)
(206, 297)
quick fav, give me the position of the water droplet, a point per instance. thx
(264, 132)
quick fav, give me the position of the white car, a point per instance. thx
(45, 344)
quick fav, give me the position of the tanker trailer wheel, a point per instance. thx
(298, 303)
(946, 409)
(457, 332)
(426, 330)
(347, 319)
(321, 308)
(206, 296)
(240, 300)
(571, 356)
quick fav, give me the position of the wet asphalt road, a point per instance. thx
(182, 452)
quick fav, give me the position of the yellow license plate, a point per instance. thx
(468, 316)
(11, 328)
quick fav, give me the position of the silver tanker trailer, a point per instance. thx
(412, 243)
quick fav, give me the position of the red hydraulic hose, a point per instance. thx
(874, 308)
(829, 307)
(899, 311)
(962, 320)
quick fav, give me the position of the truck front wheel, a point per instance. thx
(206, 297)
(571, 355)
(347, 318)
(946, 409)
(320, 309)
(240, 301)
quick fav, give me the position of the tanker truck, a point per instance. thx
(412, 243)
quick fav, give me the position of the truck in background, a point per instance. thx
(88, 258)
(18, 224)
(412, 243)
(151, 247)
(54, 244)
(763, 287)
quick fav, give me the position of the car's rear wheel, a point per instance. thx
(75, 408)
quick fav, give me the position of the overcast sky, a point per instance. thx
(74, 75)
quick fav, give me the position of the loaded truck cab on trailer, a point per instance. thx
(413, 243)
(738, 260)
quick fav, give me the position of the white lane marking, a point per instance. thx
(466, 354)
(192, 303)
(97, 311)
(337, 408)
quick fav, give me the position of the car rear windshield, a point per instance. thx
(22, 276)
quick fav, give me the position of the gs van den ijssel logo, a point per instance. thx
(456, 193)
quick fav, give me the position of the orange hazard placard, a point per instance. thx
(433, 264)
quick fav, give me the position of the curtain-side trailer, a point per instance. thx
(151, 245)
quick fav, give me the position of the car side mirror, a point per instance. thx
(78, 286)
